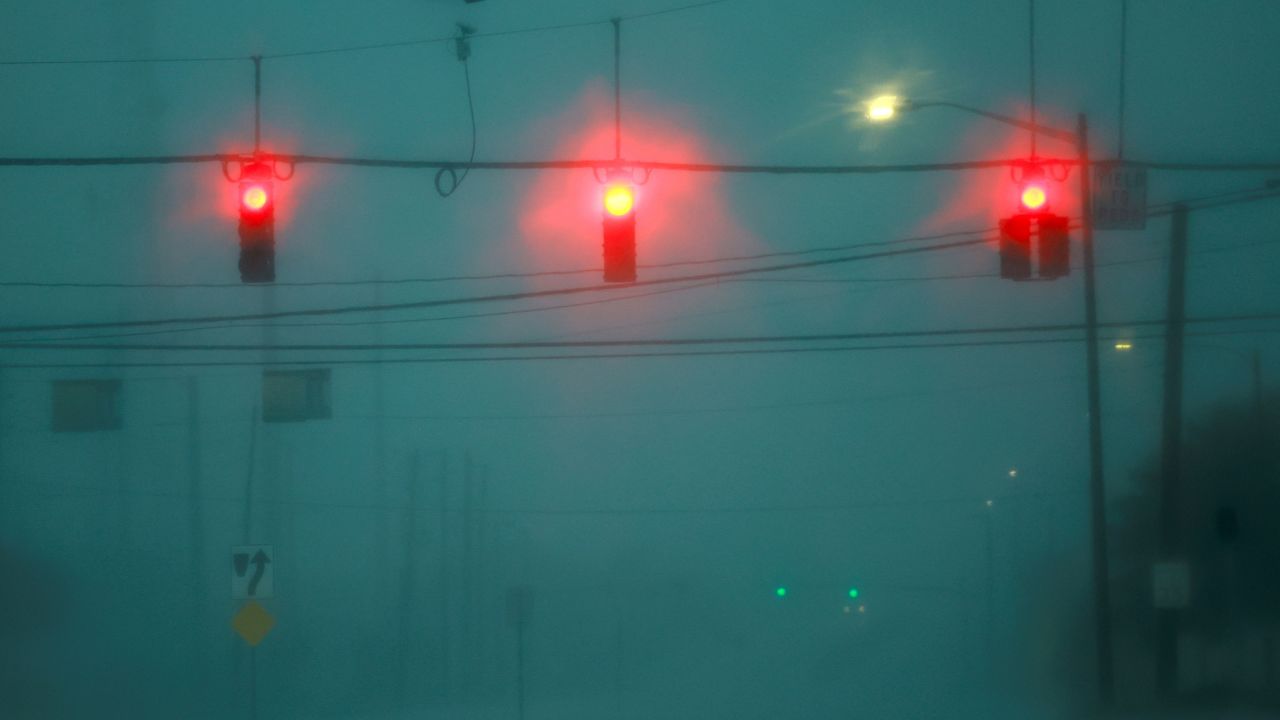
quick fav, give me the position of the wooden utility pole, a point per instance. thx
(1097, 486)
(1171, 446)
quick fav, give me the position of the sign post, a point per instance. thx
(252, 578)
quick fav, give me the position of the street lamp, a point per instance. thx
(885, 108)
(882, 108)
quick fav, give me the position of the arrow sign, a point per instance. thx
(251, 572)
(260, 561)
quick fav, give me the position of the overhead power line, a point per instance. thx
(340, 362)
(1155, 210)
(649, 165)
(516, 275)
(500, 297)
(636, 342)
(354, 48)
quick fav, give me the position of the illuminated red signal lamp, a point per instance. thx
(619, 233)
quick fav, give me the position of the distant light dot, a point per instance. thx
(990, 503)
(1123, 346)
(780, 592)
(862, 608)
(1013, 472)
(853, 593)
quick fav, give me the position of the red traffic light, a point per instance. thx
(257, 224)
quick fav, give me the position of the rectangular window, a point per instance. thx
(86, 405)
(295, 395)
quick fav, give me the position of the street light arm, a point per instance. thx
(1055, 133)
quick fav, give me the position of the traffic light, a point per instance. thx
(619, 232)
(1055, 247)
(1034, 232)
(1015, 247)
(257, 224)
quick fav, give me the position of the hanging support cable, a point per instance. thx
(257, 104)
(617, 89)
(462, 49)
(1031, 55)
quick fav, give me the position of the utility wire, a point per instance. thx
(723, 168)
(364, 323)
(1154, 210)
(639, 342)
(355, 48)
(523, 295)
(79, 491)
(336, 362)
(455, 180)
(546, 308)
(512, 275)
(501, 297)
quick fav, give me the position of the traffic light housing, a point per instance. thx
(1047, 234)
(257, 224)
(1055, 247)
(1015, 248)
(619, 233)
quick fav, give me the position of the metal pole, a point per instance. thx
(520, 670)
(990, 591)
(1097, 488)
(248, 480)
(617, 88)
(253, 683)
(1171, 456)
(445, 571)
(194, 461)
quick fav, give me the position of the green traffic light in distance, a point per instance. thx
(780, 592)
(853, 593)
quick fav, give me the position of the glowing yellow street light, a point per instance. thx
(1124, 346)
(882, 108)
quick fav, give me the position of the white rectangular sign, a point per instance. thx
(251, 572)
(1119, 197)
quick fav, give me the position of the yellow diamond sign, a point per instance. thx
(253, 622)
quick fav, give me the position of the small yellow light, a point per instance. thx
(882, 108)
(1124, 346)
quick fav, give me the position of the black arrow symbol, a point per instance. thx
(240, 562)
(260, 561)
